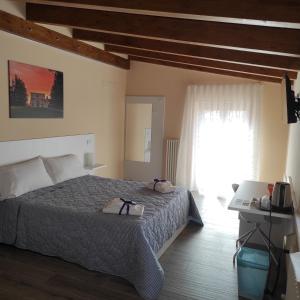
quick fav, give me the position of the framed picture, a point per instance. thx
(34, 92)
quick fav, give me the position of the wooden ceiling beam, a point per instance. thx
(269, 10)
(264, 38)
(32, 31)
(246, 57)
(205, 69)
(202, 62)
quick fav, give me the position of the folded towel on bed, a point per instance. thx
(161, 185)
(121, 206)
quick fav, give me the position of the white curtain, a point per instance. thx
(219, 142)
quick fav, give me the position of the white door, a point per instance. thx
(144, 131)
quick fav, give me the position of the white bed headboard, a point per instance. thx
(14, 151)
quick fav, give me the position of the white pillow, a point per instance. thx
(65, 167)
(20, 178)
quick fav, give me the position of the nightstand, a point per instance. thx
(91, 169)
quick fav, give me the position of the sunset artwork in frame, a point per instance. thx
(34, 92)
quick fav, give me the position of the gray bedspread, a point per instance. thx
(66, 221)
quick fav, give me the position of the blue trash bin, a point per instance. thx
(253, 267)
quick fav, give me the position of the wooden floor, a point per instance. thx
(198, 265)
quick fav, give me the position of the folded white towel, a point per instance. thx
(162, 187)
(114, 206)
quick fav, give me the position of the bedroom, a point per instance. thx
(95, 86)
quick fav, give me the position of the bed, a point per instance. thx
(66, 220)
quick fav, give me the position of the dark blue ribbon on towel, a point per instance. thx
(156, 181)
(126, 203)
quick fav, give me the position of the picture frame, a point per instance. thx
(34, 92)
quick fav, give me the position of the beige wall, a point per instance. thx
(274, 134)
(94, 97)
(94, 100)
(149, 79)
(293, 155)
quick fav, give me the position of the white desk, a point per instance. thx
(254, 220)
(246, 192)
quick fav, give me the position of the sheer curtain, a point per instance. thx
(219, 142)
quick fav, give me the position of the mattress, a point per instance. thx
(66, 221)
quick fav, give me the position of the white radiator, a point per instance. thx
(171, 159)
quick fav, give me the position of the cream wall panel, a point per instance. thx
(94, 97)
(274, 134)
(153, 80)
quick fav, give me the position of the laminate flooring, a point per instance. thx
(198, 266)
